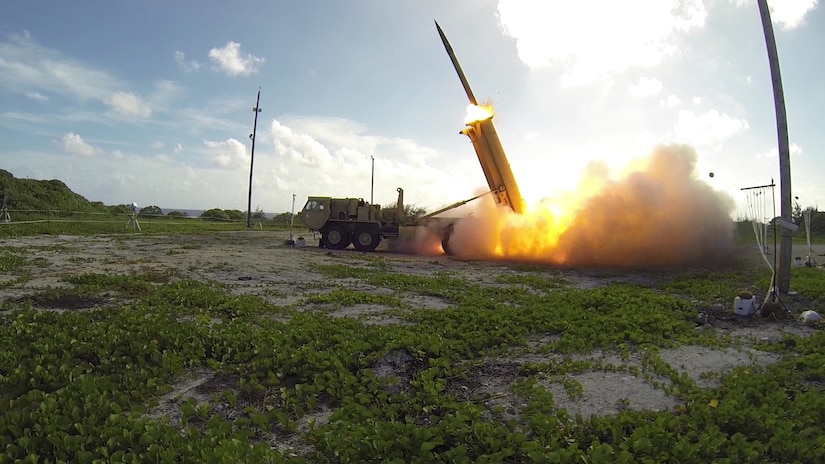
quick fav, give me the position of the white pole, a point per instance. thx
(292, 219)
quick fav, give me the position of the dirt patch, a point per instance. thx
(605, 393)
(699, 361)
(195, 384)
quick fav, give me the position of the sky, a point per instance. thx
(152, 102)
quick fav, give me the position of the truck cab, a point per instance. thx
(315, 212)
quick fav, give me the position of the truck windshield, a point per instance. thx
(314, 205)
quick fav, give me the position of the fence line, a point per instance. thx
(117, 218)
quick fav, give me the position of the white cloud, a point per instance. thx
(26, 66)
(331, 156)
(696, 100)
(128, 104)
(73, 143)
(710, 128)
(645, 87)
(37, 96)
(178, 148)
(188, 66)
(156, 144)
(300, 148)
(789, 14)
(672, 101)
(232, 61)
(627, 34)
(230, 153)
(117, 154)
(164, 94)
(795, 150)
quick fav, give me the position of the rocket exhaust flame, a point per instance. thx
(476, 113)
(658, 214)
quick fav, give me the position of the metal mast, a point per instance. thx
(257, 110)
(786, 211)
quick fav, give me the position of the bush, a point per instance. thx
(216, 214)
(151, 211)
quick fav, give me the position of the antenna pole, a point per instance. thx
(257, 110)
(786, 210)
(292, 220)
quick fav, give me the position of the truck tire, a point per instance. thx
(335, 237)
(446, 234)
(366, 238)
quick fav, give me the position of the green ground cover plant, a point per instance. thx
(99, 382)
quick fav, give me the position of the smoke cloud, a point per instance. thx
(658, 213)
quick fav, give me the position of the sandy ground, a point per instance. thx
(259, 263)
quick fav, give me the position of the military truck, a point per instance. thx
(345, 221)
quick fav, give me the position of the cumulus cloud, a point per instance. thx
(645, 87)
(178, 148)
(795, 150)
(710, 128)
(26, 67)
(672, 101)
(229, 153)
(332, 156)
(232, 61)
(184, 64)
(37, 96)
(128, 104)
(74, 144)
(789, 14)
(300, 148)
(587, 46)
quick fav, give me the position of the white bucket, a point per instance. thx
(744, 307)
(299, 242)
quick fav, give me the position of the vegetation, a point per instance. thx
(410, 210)
(151, 211)
(44, 196)
(101, 381)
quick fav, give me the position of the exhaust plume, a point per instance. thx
(657, 214)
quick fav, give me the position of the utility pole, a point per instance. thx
(372, 179)
(786, 211)
(257, 110)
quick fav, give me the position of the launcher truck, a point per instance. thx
(345, 221)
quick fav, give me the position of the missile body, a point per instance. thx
(487, 146)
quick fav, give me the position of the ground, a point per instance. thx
(259, 263)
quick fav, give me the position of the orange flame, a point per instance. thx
(477, 113)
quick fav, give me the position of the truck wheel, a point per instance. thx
(335, 237)
(366, 239)
(446, 234)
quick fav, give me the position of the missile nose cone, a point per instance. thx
(457, 66)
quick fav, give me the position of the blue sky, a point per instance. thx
(151, 101)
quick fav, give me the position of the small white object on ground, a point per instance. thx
(809, 316)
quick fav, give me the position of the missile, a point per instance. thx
(456, 65)
(491, 156)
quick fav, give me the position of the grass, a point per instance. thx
(92, 225)
(86, 384)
